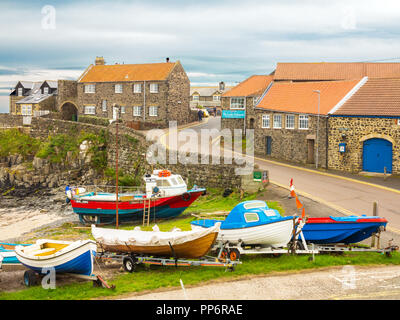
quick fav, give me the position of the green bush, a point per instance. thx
(15, 142)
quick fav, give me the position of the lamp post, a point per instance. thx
(319, 99)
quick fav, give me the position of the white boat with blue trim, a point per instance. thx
(253, 223)
(64, 256)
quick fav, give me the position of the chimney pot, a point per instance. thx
(99, 61)
(167, 60)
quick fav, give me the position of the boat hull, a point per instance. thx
(160, 208)
(79, 260)
(328, 231)
(192, 249)
(274, 234)
(8, 256)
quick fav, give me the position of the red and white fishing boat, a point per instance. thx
(165, 196)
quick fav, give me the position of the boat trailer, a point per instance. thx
(297, 245)
(131, 260)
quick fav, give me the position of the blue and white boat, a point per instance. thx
(253, 223)
(64, 256)
(7, 254)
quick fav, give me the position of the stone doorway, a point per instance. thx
(69, 112)
(310, 151)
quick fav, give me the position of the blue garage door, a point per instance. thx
(377, 154)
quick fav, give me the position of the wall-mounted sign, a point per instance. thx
(233, 114)
(342, 147)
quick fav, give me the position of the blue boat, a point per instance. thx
(253, 223)
(62, 256)
(351, 229)
(7, 254)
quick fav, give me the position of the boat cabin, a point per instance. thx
(165, 183)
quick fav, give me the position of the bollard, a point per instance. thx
(384, 173)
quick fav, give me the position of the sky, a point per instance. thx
(214, 40)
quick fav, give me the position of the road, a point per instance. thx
(343, 283)
(343, 194)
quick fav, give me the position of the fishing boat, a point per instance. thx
(176, 243)
(7, 254)
(166, 196)
(64, 256)
(351, 229)
(253, 223)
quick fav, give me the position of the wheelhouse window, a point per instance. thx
(163, 183)
(90, 88)
(137, 111)
(90, 109)
(118, 88)
(137, 88)
(251, 217)
(153, 87)
(26, 109)
(153, 111)
(303, 122)
(238, 103)
(277, 121)
(265, 121)
(290, 121)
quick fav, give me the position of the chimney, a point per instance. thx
(222, 86)
(99, 61)
(167, 60)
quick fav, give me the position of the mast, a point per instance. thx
(116, 164)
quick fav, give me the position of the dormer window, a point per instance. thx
(20, 92)
(46, 90)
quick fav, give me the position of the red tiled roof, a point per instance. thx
(127, 72)
(377, 97)
(255, 85)
(300, 96)
(336, 71)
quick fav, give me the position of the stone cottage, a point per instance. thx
(207, 96)
(291, 120)
(364, 132)
(30, 98)
(153, 93)
(238, 103)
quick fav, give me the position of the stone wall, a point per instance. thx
(353, 131)
(10, 121)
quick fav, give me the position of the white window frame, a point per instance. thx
(237, 103)
(196, 97)
(303, 118)
(104, 105)
(90, 110)
(90, 88)
(122, 109)
(26, 109)
(20, 92)
(46, 90)
(153, 111)
(275, 122)
(118, 88)
(266, 121)
(154, 88)
(137, 88)
(292, 116)
(251, 214)
(216, 98)
(137, 111)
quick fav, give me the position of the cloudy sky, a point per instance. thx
(214, 40)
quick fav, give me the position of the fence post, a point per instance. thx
(374, 213)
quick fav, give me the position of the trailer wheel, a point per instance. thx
(30, 278)
(129, 264)
(234, 254)
(223, 255)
